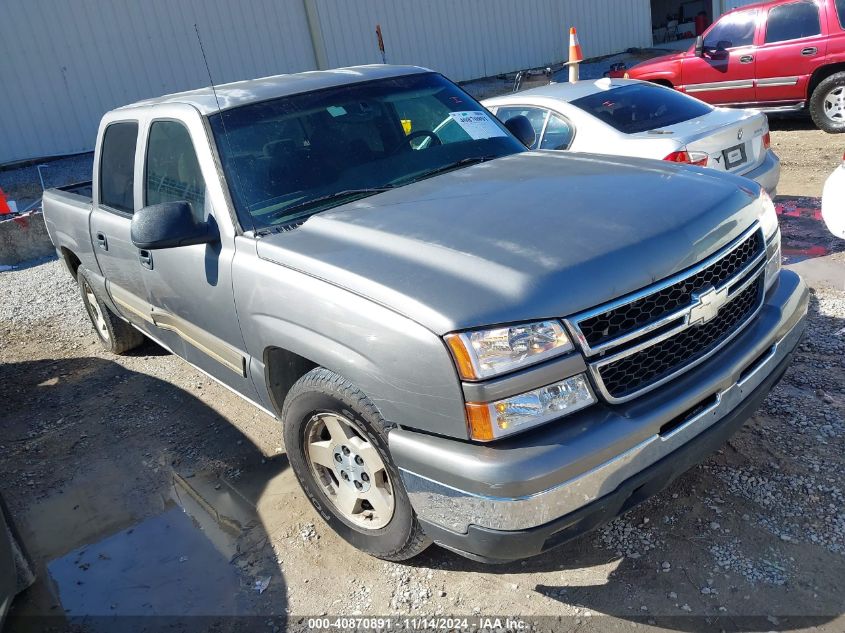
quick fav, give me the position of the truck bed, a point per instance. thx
(66, 213)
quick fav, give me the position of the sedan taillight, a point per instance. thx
(767, 140)
(690, 158)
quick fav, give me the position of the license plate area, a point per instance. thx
(735, 156)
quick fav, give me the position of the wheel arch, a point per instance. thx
(282, 368)
(820, 74)
(72, 262)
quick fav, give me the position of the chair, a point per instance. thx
(671, 31)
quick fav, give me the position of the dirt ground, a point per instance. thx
(148, 492)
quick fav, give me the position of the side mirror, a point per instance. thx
(699, 46)
(168, 225)
(522, 129)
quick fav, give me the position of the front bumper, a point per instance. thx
(767, 175)
(521, 496)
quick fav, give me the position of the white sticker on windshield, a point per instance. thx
(478, 125)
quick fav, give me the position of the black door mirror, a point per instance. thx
(522, 129)
(699, 46)
(168, 225)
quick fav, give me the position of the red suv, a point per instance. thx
(778, 56)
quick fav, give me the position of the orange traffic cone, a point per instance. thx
(4, 206)
(576, 55)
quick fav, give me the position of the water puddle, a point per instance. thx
(205, 552)
(803, 232)
(165, 565)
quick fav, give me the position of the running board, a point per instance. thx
(768, 109)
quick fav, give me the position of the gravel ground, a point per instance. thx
(752, 538)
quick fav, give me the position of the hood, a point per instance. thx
(529, 236)
(656, 61)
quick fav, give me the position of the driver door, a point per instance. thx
(725, 73)
(190, 287)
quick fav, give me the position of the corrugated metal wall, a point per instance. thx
(65, 62)
(478, 38)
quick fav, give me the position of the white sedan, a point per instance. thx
(833, 201)
(625, 117)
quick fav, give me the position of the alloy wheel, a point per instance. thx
(350, 471)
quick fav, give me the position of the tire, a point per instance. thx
(114, 334)
(319, 401)
(827, 104)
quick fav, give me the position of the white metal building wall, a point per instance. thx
(468, 39)
(65, 62)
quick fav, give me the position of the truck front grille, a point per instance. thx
(629, 317)
(639, 342)
(632, 373)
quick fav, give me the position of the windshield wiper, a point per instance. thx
(464, 162)
(337, 195)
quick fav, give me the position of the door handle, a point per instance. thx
(146, 258)
(809, 51)
(746, 59)
(102, 242)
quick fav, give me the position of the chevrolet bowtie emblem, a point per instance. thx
(707, 306)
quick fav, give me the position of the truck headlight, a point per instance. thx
(769, 223)
(484, 353)
(768, 215)
(490, 421)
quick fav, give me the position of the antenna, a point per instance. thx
(220, 112)
(211, 81)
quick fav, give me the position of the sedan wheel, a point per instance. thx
(349, 470)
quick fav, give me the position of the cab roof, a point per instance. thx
(239, 93)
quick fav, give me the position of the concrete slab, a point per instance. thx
(24, 237)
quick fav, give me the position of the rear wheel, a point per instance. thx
(827, 104)
(115, 334)
(336, 442)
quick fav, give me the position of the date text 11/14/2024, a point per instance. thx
(420, 623)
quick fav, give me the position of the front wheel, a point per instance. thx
(827, 104)
(336, 442)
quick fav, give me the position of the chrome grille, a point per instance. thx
(629, 317)
(639, 342)
(631, 373)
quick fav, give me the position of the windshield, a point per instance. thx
(642, 107)
(291, 157)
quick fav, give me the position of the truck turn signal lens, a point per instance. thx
(479, 423)
(462, 358)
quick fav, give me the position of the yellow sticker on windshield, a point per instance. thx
(406, 125)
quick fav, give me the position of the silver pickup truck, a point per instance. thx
(466, 342)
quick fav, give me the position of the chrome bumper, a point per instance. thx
(511, 486)
(767, 175)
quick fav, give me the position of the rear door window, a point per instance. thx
(641, 107)
(537, 117)
(117, 166)
(559, 133)
(793, 22)
(840, 12)
(732, 30)
(172, 170)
